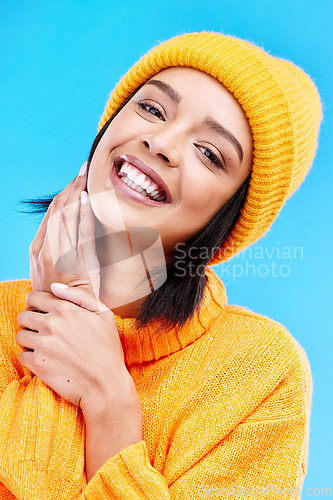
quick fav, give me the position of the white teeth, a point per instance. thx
(134, 186)
(141, 183)
(125, 167)
(132, 174)
(140, 179)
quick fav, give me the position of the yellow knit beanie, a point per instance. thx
(282, 106)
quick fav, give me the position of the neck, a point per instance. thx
(124, 278)
(119, 291)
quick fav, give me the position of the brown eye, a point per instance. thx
(151, 109)
(211, 156)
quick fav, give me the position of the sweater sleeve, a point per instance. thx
(243, 465)
(40, 433)
(264, 456)
(128, 474)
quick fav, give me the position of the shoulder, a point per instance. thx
(14, 287)
(271, 337)
(279, 366)
(12, 297)
(259, 355)
(256, 334)
(12, 302)
(245, 325)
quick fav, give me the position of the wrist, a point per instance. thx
(112, 424)
(103, 405)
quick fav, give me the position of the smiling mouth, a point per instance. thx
(139, 181)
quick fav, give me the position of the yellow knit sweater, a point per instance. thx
(225, 403)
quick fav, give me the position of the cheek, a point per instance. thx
(101, 163)
(203, 194)
(118, 132)
(124, 127)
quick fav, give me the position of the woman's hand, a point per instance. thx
(73, 348)
(77, 352)
(63, 249)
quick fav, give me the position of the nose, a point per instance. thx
(163, 146)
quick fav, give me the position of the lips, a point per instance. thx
(145, 169)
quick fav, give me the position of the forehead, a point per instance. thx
(204, 96)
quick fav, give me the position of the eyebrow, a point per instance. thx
(217, 127)
(166, 89)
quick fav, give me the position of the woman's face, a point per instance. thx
(186, 137)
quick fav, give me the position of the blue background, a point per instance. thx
(60, 60)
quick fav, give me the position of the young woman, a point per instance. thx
(135, 379)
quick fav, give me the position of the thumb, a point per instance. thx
(79, 296)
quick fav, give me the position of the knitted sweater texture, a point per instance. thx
(225, 402)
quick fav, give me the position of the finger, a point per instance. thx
(68, 225)
(54, 222)
(81, 297)
(70, 213)
(40, 301)
(29, 320)
(38, 240)
(41, 232)
(86, 242)
(26, 359)
(26, 339)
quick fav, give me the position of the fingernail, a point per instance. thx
(84, 197)
(59, 285)
(83, 169)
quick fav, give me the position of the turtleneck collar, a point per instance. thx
(147, 345)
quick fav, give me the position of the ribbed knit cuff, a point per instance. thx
(129, 474)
